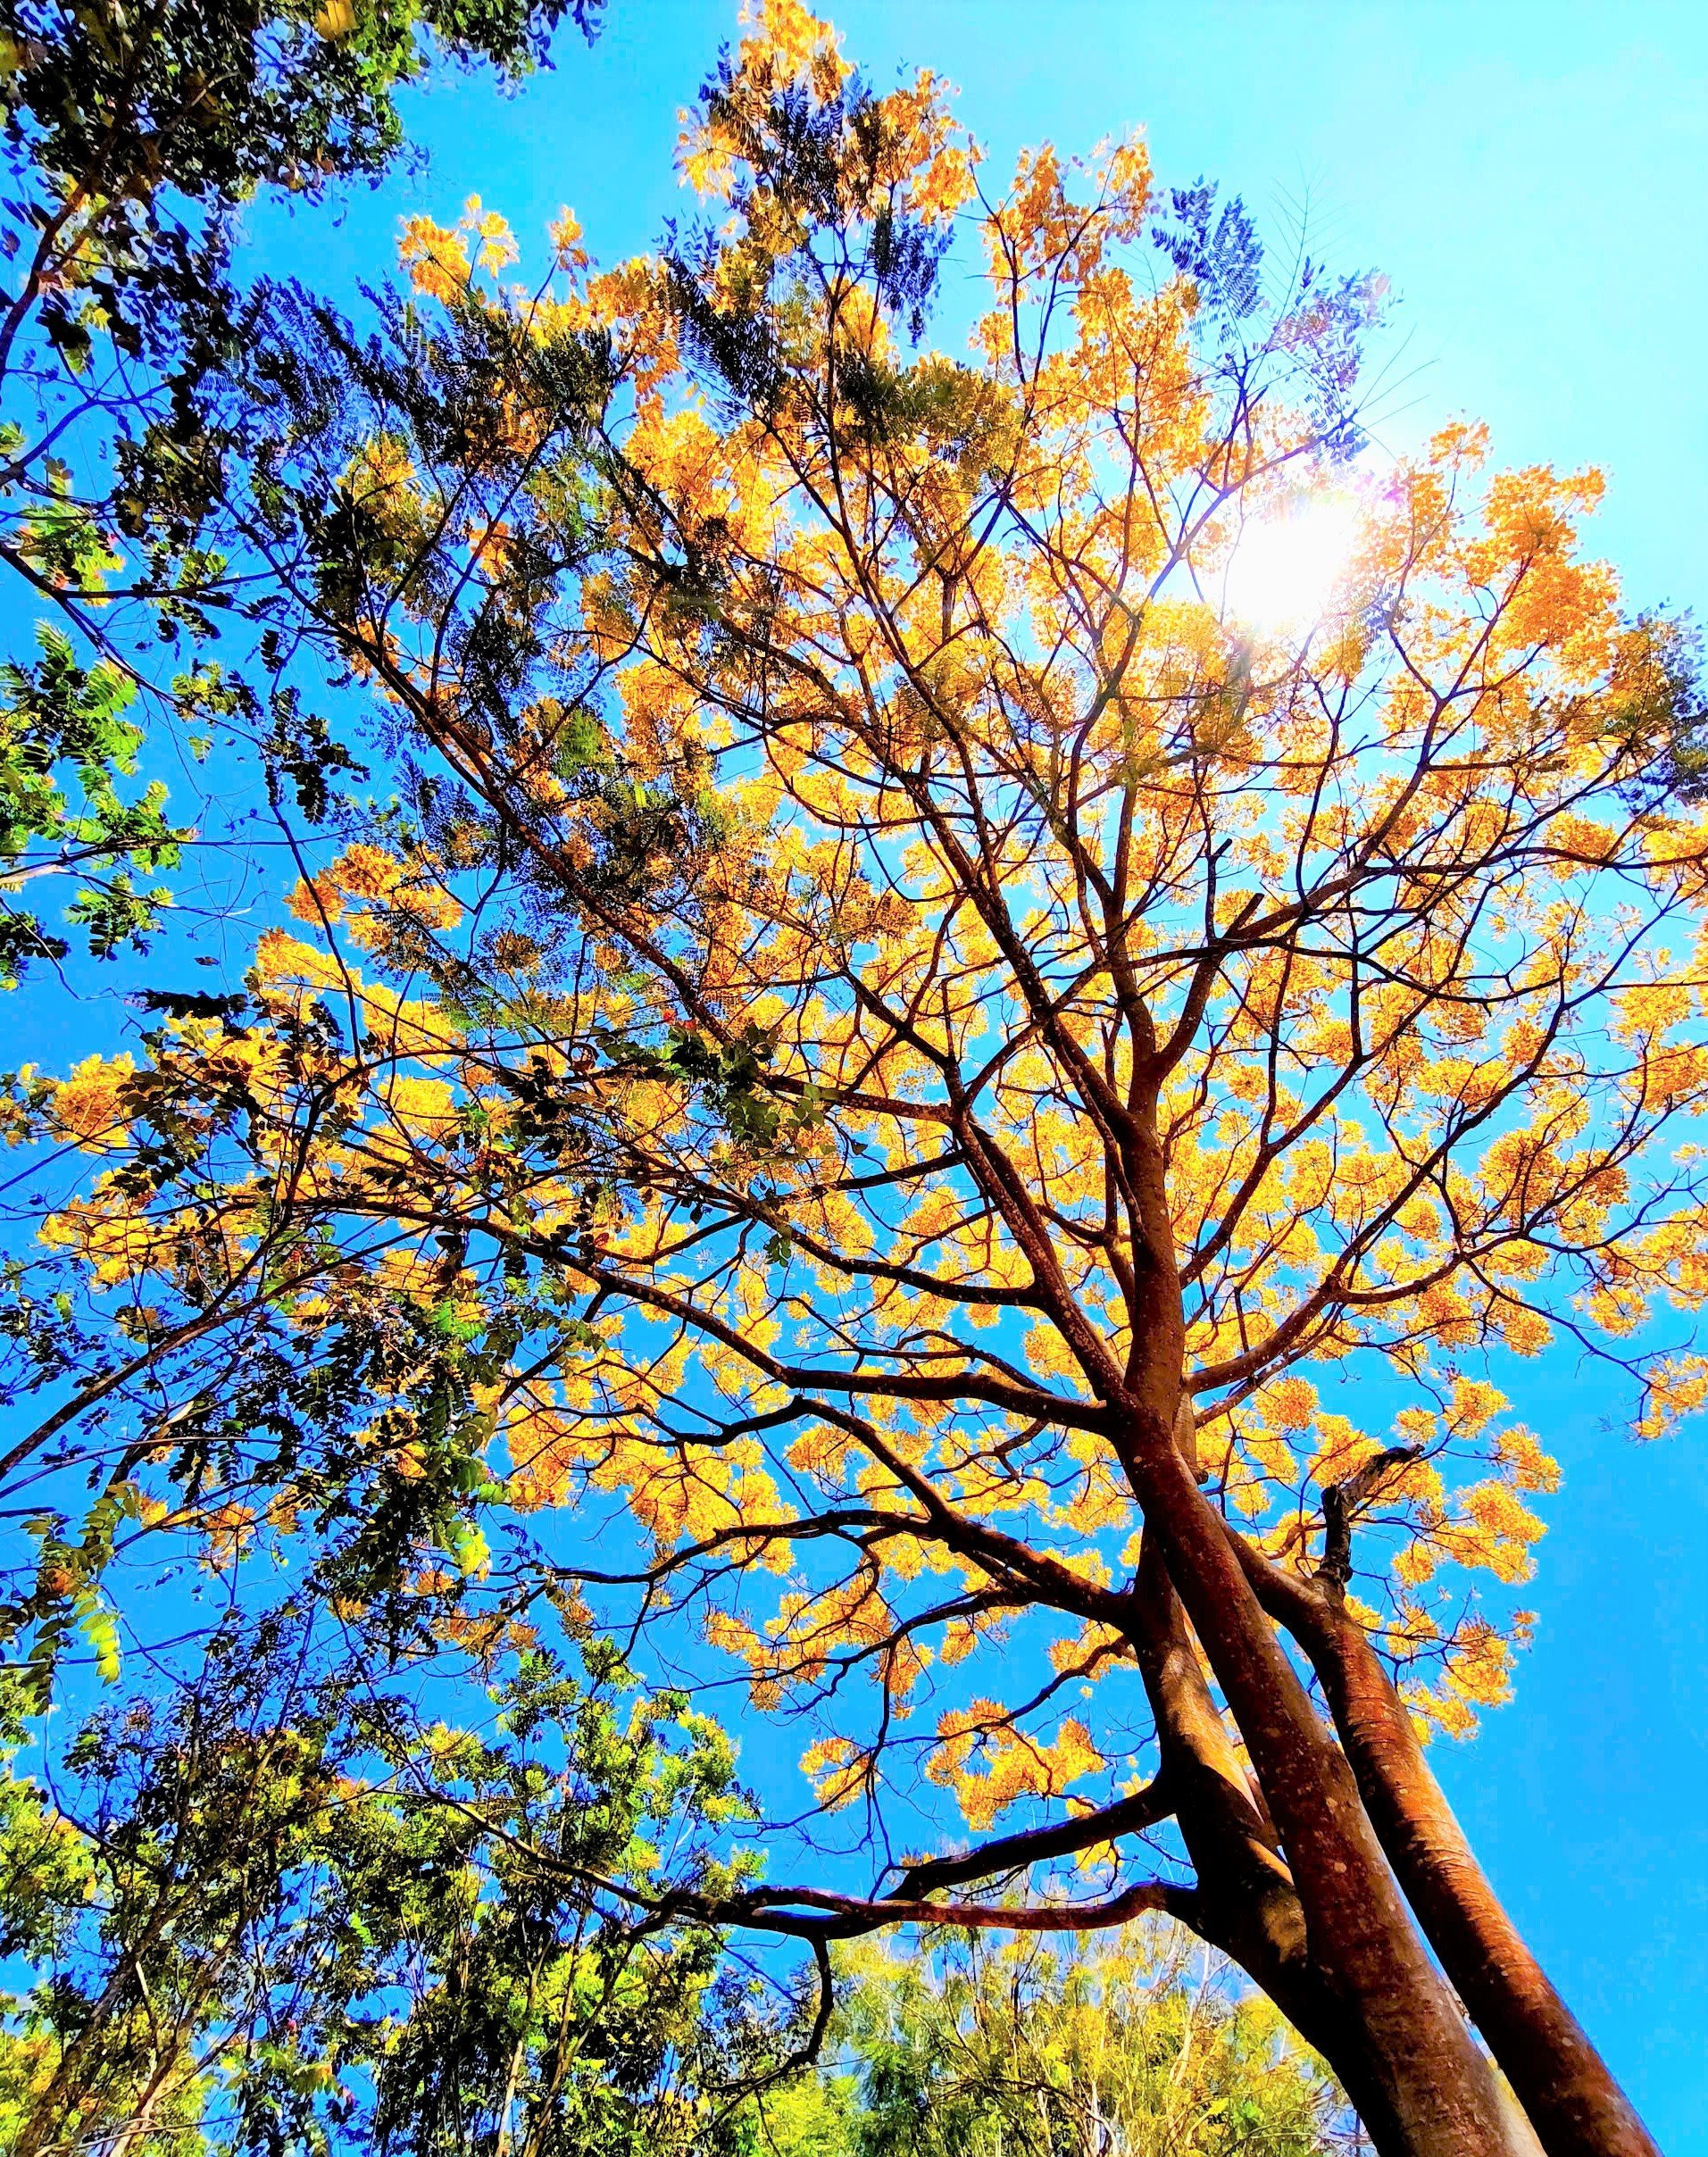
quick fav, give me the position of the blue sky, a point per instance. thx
(1534, 179)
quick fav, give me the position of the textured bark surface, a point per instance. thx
(1576, 2106)
(1361, 1985)
(1244, 1902)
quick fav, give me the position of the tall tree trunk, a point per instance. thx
(1244, 1902)
(1577, 2107)
(1429, 2092)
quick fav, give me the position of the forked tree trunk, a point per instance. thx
(1576, 2106)
(1375, 2003)
(1244, 1902)
(1366, 1991)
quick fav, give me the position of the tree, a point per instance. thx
(132, 137)
(282, 1911)
(900, 1044)
(1095, 2047)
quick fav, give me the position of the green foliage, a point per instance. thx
(1020, 2050)
(280, 1911)
(1660, 703)
(131, 134)
(127, 120)
(729, 1076)
(64, 743)
(212, 103)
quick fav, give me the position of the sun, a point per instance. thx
(1282, 575)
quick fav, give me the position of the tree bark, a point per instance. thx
(1429, 2092)
(1571, 2099)
(1244, 1902)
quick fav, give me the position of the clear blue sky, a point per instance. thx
(1533, 178)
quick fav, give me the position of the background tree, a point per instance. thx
(1130, 2041)
(901, 1042)
(132, 137)
(282, 1911)
(279, 1910)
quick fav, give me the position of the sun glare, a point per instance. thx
(1281, 577)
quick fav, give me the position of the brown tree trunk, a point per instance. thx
(1574, 2103)
(1430, 2091)
(1244, 1902)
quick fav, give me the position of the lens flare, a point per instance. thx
(1282, 575)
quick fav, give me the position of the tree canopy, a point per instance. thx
(1112, 2042)
(132, 137)
(911, 1104)
(280, 1909)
